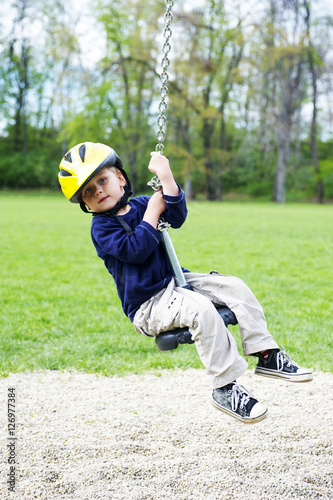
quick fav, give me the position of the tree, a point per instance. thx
(285, 59)
(208, 72)
(118, 105)
(238, 88)
(15, 77)
(315, 59)
(28, 98)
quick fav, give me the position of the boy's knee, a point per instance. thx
(203, 317)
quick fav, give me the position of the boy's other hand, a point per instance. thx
(157, 203)
(156, 206)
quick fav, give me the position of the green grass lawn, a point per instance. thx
(60, 309)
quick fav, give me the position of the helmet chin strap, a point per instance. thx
(113, 211)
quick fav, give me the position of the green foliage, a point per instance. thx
(235, 82)
(60, 309)
(38, 168)
(308, 176)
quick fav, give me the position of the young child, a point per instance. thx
(126, 237)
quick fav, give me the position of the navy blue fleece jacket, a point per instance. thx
(138, 262)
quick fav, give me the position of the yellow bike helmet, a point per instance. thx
(81, 163)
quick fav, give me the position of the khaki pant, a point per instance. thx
(176, 307)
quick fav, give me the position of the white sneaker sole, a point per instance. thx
(258, 412)
(303, 376)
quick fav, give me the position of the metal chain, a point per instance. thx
(156, 185)
(161, 119)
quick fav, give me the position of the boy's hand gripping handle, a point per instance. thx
(163, 227)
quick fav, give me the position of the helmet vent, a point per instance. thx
(68, 157)
(64, 173)
(82, 152)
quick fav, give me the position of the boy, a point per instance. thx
(125, 236)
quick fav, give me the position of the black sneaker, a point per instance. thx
(279, 365)
(238, 402)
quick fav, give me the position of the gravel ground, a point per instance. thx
(156, 436)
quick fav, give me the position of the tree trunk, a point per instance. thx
(188, 187)
(313, 132)
(208, 127)
(25, 84)
(280, 174)
(188, 174)
(223, 147)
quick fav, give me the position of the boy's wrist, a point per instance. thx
(170, 187)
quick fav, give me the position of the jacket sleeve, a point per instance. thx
(176, 209)
(110, 238)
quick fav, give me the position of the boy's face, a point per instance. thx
(104, 190)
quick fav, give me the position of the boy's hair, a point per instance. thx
(113, 169)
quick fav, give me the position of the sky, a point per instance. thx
(91, 42)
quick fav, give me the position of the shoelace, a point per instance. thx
(283, 358)
(239, 396)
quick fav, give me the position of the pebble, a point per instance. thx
(156, 436)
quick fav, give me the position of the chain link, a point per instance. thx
(156, 185)
(161, 120)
